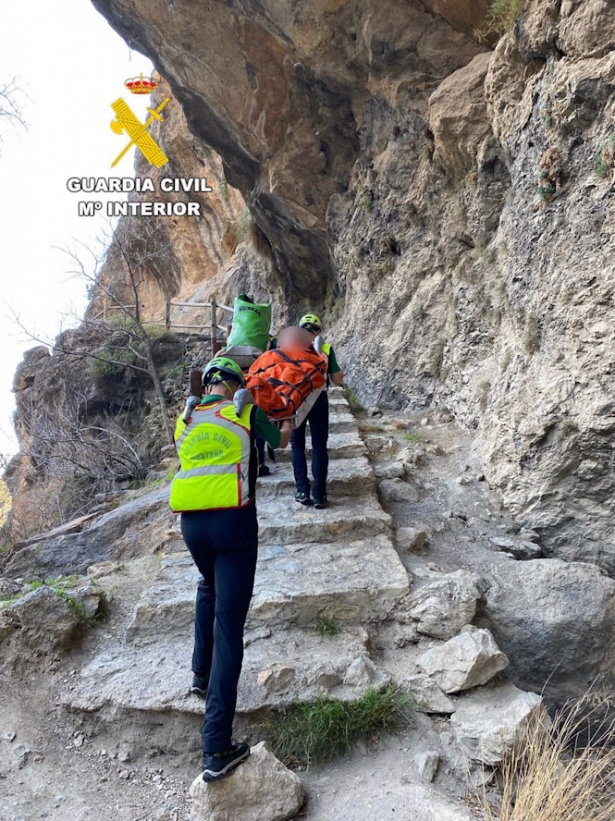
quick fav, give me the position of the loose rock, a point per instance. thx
(427, 695)
(468, 660)
(490, 723)
(390, 470)
(97, 571)
(396, 490)
(364, 673)
(411, 539)
(443, 607)
(427, 764)
(260, 789)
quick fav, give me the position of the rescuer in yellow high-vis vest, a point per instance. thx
(214, 491)
(215, 452)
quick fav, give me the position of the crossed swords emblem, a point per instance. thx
(126, 120)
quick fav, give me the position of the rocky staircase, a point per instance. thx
(335, 567)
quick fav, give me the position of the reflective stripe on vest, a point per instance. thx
(214, 451)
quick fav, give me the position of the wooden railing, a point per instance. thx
(212, 326)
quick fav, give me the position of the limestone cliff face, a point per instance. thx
(440, 201)
(447, 206)
(282, 92)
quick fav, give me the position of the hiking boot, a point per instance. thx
(263, 470)
(199, 685)
(219, 765)
(303, 498)
(320, 502)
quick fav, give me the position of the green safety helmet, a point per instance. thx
(311, 323)
(222, 368)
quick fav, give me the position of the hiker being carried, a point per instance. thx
(287, 381)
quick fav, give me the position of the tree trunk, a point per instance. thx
(153, 372)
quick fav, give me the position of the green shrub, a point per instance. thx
(243, 224)
(606, 159)
(318, 731)
(545, 191)
(436, 361)
(502, 15)
(112, 358)
(353, 400)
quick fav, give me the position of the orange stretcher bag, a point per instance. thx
(280, 381)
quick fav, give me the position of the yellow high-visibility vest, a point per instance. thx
(214, 451)
(325, 348)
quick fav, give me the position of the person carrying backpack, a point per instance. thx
(318, 419)
(214, 492)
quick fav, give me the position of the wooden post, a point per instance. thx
(167, 315)
(214, 329)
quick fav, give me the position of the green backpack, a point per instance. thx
(251, 323)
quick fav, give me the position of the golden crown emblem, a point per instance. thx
(141, 85)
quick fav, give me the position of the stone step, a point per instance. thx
(140, 693)
(336, 397)
(358, 582)
(343, 445)
(347, 477)
(341, 422)
(345, 517)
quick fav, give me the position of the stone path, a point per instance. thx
(337, 564)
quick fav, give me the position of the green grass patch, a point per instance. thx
(318, 731)
(353, 400)
(326, 627)
(412, 437)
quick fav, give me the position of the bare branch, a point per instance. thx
(10, 107)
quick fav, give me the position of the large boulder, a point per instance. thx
(468, 660)
(137, 528)
(260, 789)
(443, 607)
(491, 723)
(554, 621)
(36, 625)
(458, 116)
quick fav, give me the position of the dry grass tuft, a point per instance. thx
(556, 778)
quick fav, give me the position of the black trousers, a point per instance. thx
(260, 446)
(318, 418)
(224, 545)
